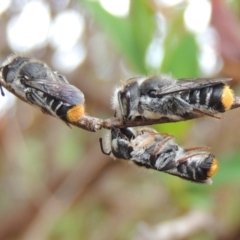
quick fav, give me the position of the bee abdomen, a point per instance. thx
(199, 170)
(61, 110)
(67, 112)
(219, 98)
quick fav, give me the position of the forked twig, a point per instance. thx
(94, 124)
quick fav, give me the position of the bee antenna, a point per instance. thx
(2, 92)
(101, 146)
(1, 89)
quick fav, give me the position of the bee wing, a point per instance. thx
(61, 91)
(190, 84)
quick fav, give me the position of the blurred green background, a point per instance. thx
(54, 181)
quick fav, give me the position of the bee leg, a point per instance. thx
(197, 148)
(206, 114)
(29, 97)
(101, 146)
(45, 111)
(161, 145)
(163, 159)
(146, 130)
(33, 98)
(162, 163)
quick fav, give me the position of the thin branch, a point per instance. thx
(181, 228)
(89, 123)
(94, 124)
(236, 103)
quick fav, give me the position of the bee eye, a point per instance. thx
(8, 74)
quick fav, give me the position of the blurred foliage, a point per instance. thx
(181, 51)
(56, 185)
(131, 35)
(235, 6)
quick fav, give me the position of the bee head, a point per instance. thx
(11, 67)
(129, 100)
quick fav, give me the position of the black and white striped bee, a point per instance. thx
(146, 147)
(35, 83)
(164, 96)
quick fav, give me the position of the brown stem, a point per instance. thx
(110, 122)
(94, 124)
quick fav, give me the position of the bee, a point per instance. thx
(147, 148)
(35, 83)
(165, 97)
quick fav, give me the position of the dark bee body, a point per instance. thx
(201, 168)
(145, 147)
(34, 82)
(163, 96)
(208, 97)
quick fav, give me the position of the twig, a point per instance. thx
(180, 228)
(89, 123)
(94, 124)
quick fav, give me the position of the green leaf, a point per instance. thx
(181, 52)
(178, 129)
(132, 34)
